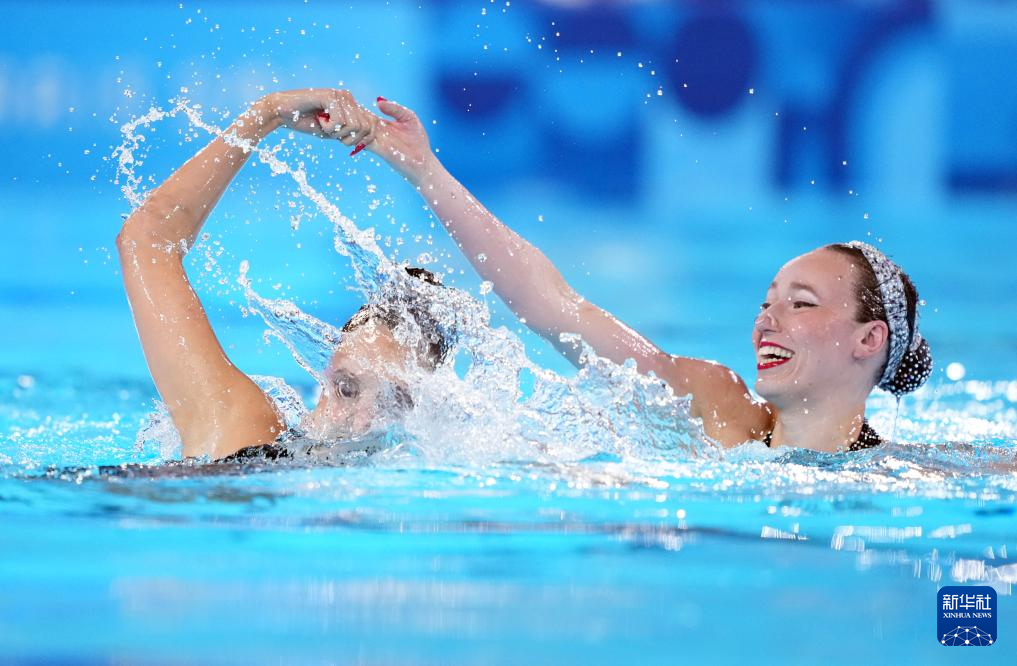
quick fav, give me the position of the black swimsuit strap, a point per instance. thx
(258, 452)
(293, 444)
(867, 438)
(271, 451)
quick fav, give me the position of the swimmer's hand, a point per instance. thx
(402, 141)
(322, 112)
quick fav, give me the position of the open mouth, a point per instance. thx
(770, 355)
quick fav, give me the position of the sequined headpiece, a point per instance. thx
(891, 287)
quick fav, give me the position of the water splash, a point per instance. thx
(480, 413)
(936, 509)
(310, 341)
(609, 425)
(369, 263)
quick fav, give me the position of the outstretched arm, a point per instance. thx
(522, 276)
(215, 407)
(538, 294)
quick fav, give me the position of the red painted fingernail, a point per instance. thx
(382, 99)
(324, 116)
(360, 146)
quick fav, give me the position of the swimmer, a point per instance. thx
(219, 411)
(835, 322)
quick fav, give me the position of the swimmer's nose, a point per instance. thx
(766, 321)
(328, 421)
(311, 424)
(316, 423)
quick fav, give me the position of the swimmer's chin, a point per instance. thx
(767, 390)
(321, 429)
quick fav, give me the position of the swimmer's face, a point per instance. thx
(809, 315)
(363, 384)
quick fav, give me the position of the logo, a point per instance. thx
(967, 616)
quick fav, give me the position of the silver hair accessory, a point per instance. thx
(891, 288)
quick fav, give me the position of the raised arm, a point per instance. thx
(539, 295)
(522, 276)
(215, 407)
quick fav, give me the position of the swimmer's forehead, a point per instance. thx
(368, 349)
(795, 285)
(822, 272)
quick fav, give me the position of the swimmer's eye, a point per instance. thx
(795, 304)
(347, 387)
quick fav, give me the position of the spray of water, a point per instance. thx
(473, 408)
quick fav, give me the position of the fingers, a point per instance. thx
(343, 119)
(308, 125)
(328, 108)
(364, 141)
(369, 138)
(397, 111)
(329, 124)
(346, 132)
(360, 137)
(334, 114)
(348, 135)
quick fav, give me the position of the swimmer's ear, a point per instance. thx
(875, 335)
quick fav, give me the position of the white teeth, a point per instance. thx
(770, 351)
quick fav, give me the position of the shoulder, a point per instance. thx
(238, 415)
(730, 413)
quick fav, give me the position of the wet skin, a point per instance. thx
(810, 309)
(364, 381)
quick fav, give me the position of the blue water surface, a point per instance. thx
(803, 557)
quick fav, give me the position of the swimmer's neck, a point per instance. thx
(825, 426)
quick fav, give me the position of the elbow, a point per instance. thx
(122, 239)
(146, 222)
(127, 255)
(142, 231)
(553, 310)
(137, 238)
(134, 226)
(124, 243)
(128, 239)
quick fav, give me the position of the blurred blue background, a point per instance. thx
(669, 157)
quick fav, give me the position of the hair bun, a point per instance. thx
(913, 371)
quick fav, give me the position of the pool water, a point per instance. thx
(803, 557)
